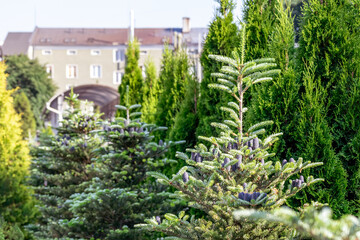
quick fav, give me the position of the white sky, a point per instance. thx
(21, 15)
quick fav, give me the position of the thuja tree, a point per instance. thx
(278, 99)
(328, 54)
(174, 77)
(122, 196)
(151, 90)
(222, 37)
(16, 202)
(259, 18)
(186, 120)
(235, 172)
(133, 76)
(62, 167)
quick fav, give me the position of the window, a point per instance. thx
(117, 77)
(71, 71)
(50, 70)
(46, 52)
(95, 52)
(143, 52)
(71, 52)
(95, 71)
(119, 55)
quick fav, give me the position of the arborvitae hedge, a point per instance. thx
(16, 202)
(259, 18)
(278, 100)
(329, 48)
(151, 93)
(186, 120)
(174, 77)
(133, 75)
(222, 38)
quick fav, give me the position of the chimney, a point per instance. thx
(132, 26)
(186, 25)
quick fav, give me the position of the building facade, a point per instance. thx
(95, 57)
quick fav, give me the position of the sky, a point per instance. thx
(24, 15)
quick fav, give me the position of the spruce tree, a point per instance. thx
(16, 202)
(121, 195)
(329, 48)
(235, 172)
(23, 108)
(133, 76)
(173, 79)
(221, 39)
(151, 90)
(61, 167)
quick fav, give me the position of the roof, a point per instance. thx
(110, 36)
(16, 43)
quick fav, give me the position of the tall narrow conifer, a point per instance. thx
(151, 93)
(329, 48)
(16, 203)
(174, 77)
(222, 37)
(133, 76)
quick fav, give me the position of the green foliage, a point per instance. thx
(121, 196)
(174, 77)
(23, 108)
(33, 80)
(317, 225)
(328, 60)
(279, 100)
(235, 172)
(10, 231)
(222, 37)
(186, 119)
(133, 76)
(62, 166)
(259, 18)
(151, 90)
(16, 203)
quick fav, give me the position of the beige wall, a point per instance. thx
(84, 59)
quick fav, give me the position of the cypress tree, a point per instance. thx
(16, 203)
(222, 37)
(151, 91)
(173, 79)
(133, 76)
(22, 106)
(259, 18)
(186, 119)
(278, 100)
(330, 46)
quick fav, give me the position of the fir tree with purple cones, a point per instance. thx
(236, 172)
